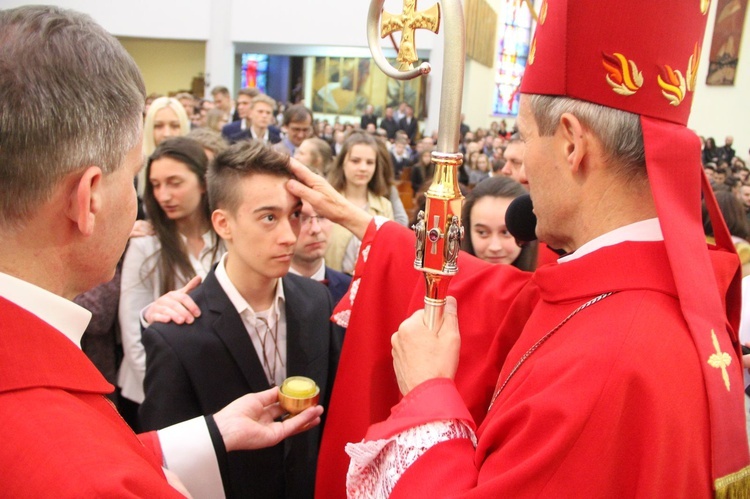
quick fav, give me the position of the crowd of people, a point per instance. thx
(226, 287)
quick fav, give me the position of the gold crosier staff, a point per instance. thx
(438, 228)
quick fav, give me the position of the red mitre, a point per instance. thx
(641, 56)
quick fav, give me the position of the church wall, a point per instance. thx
(336, 25)
(185, 60)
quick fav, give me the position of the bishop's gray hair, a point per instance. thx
(619, 131)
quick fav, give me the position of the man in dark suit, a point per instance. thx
(389, 124)
(409, 125)
(257, 325)
(238, 129)
(311, 245)
(256, 123)
(368, 117)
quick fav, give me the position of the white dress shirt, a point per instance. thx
(260, 335)
(645, 230)
(318, 275)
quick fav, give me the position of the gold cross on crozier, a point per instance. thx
(407, 22)
(720, 360)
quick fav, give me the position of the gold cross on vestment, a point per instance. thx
(407, 22)
(720, 360)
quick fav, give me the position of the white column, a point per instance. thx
(434, 84)
(219, 47)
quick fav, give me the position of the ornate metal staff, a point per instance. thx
(438, 228)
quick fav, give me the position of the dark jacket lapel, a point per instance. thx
(228, 326)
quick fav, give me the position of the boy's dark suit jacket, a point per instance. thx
(233, 132)
(197, 369)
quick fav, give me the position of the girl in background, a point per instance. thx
(359, 176)
(184, 245)
(483, 216)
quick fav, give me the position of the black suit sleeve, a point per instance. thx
(170, 397)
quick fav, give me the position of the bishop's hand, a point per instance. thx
(326, 200)
(419, 354)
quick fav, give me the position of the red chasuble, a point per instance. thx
(612, 404)
(61, 437)
(385, 291)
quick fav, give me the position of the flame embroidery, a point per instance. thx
(692, 70)
(622, 74)
(543, 13)
(705, 4)
(675, 86)
(532, 52)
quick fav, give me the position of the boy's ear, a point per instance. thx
(220, 221)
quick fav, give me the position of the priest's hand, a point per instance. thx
(326, 200)
(249, 422)
(175, 306)
(419, 354)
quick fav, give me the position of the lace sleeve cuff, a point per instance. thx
(376, 466)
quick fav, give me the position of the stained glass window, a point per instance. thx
(255, 71)
(513, 50)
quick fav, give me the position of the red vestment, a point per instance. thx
(491, 298)
(61, 437)
(613, 404)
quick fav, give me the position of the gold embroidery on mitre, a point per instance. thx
(692, 70)
(720, 360)
(674, 88)
(705, 4)
(532, 52)
(622, 74)
(543, 12)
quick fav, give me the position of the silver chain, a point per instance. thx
(542, 340)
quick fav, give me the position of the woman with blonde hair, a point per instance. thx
(360, 177)
(165, 118)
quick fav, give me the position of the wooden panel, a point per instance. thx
(481, 31)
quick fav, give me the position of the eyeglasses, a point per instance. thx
(304, 219)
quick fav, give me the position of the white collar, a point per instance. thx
(645, 230)
(318, 275)
(240, 304)
(207, 240)
(64, 315)
(253, 135)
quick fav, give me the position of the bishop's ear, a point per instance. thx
(573, 138)
(86, 200)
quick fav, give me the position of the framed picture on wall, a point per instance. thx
(346, 85)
